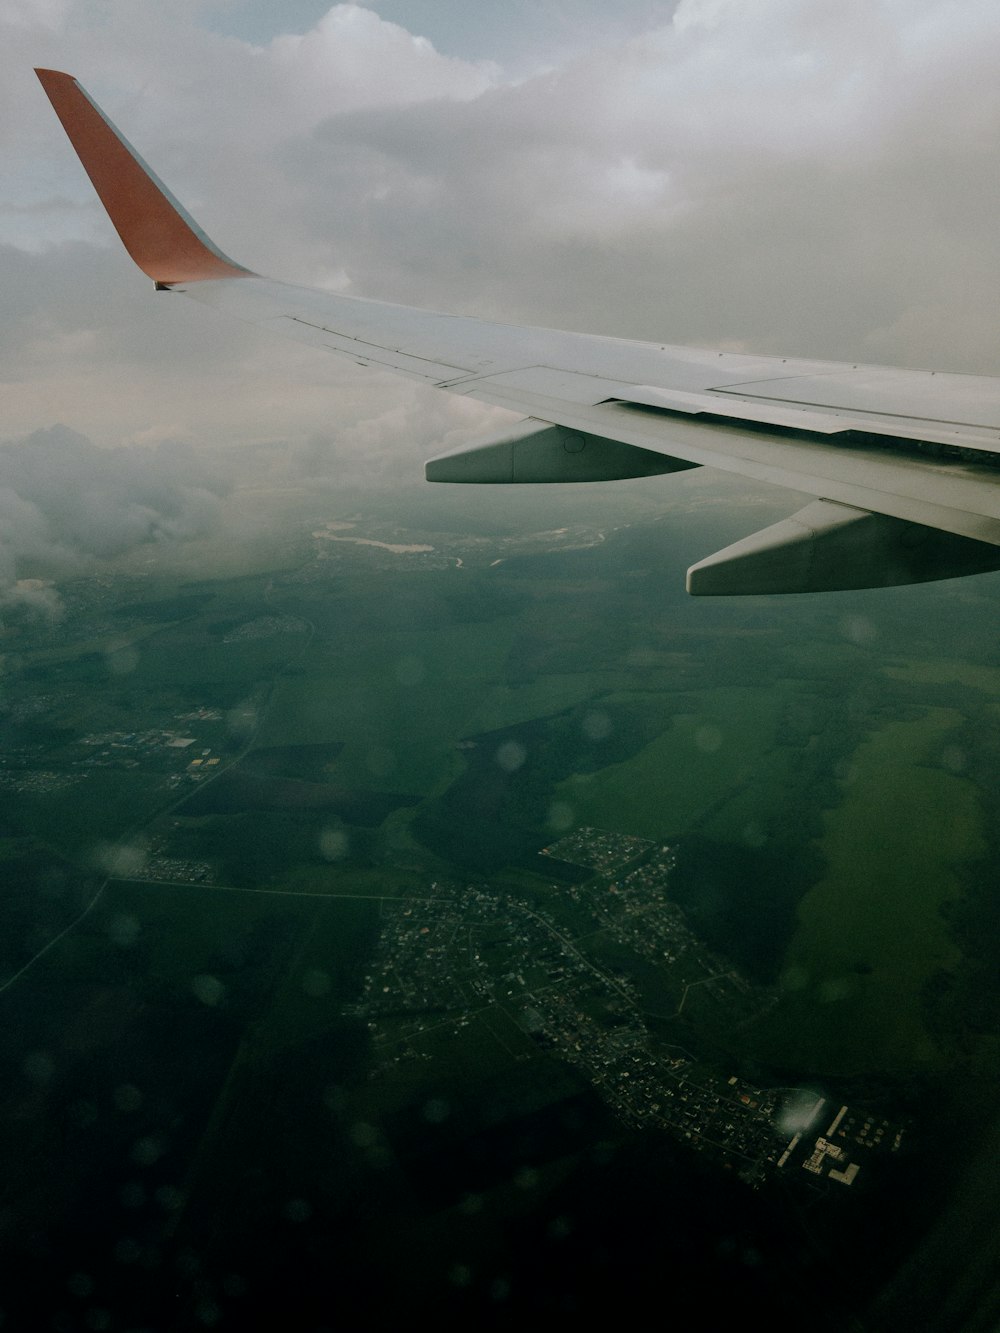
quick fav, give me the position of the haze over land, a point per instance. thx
(524, 887)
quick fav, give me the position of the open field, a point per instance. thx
(187, 1068)
(701, 759)
(871, 933)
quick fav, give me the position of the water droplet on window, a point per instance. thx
(794, 978)
(317, 983)
(708, 738)
(147, 1150)
(859, 629)
(208, 1312)
(133, 1195)
(754, 835)
(188, 1262)
(124, 929)
(120, 860)
(380, 761)
(597, 726)
(127, 1097)
(333, 844)
(208, 989)
(298, 1210)
(954, 759)
(241, 721)
(835, 989)
(121, 658)
(436, 1111)
(334, 1098)
(561, 816)
(84, 1113)
(39, 1066)
(127, 1250)
(364, 1135)
(511, 756)
(410, 671)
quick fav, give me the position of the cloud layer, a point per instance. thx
(784, 176)
(65, 503)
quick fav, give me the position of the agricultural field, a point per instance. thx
(226, 786)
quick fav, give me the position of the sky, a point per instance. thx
(783, 176)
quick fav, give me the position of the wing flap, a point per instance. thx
(816, 418)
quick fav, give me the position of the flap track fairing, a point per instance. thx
(535, 451)
(827, 546)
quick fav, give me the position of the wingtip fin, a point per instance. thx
(163, 240)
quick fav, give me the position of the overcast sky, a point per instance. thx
(788, 176)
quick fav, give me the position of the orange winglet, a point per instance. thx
(164, 241)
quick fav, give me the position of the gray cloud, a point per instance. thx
(786, 176)
(772, 176)
(65, 503)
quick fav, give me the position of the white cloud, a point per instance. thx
(352, 58)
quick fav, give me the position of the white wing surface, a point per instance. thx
(902, 467)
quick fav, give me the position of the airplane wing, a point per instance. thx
(902, 466)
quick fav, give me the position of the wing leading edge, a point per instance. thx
(902, 467)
